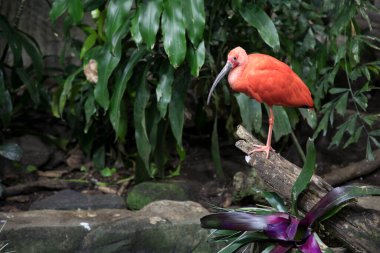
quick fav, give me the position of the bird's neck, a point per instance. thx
(234, 78)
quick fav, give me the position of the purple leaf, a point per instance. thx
(281, 248)
(335, 198)
(242, 221)
(310, 246)
(277, 231)
(292, 228)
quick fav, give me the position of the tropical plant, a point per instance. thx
(276, 227)
(133, 75)
(15, 76)
(144, 53)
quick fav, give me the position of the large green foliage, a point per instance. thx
(146, 51)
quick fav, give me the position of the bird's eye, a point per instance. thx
(234, 58)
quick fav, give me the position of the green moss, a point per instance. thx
(147, 192)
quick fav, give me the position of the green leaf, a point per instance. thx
(11, 36)
(58, 8)
(250, 112)
(66, 91)
(268, 249)
(118, 122)
(375, 141)
(354, 52)
(304, 177)
(256, 17)
(153, 119)
(107, 62)
(164, 88)
(310, 116)
(90, 5)
(161, 153)
(273, 199)
(282, 125)
(215, 152)
(194, 12)
(98, 158)
(6, 105)
(141, 136)
(173, 31)
(375, 133)
(196, 58)
(309, 41)
(33, 51)
(355, 137)
(11, 151)
(370, 119)
(323, 124)
(31, 84)
(135, 29)
(89, 110)
(108, 172)
(369, 153)
(337, 138)
(340, 54)
(177, 105)
(236, 4)
(244, 239)
(149, 21)
(116, 23)
(338, 90)
(75, 10)
(341, 104)
(351, 124)
(361, 100)
(88, 43)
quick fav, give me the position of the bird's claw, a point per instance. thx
(260, 148)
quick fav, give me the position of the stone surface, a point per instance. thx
(72, 200)
(245, 185)
(147, 192)
(162, 226)
(34, 151)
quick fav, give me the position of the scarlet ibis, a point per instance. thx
(267, 80)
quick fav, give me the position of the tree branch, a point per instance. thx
(356, 227)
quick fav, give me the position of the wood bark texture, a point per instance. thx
(356, 227)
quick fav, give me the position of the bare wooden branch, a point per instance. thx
(354, 170)
(50, 184)
(356, 227)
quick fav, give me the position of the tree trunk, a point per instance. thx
(356, 227)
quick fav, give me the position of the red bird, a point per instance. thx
(267, 80)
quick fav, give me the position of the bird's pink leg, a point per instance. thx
(267, 148)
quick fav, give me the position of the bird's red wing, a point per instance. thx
(277, 85)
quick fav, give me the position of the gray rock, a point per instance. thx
(163, 226)
(72, 200)
(147, 192)
(34, 151)
(245, 184)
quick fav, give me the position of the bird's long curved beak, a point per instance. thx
(222, 73)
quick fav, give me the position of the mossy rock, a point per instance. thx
(147, 192)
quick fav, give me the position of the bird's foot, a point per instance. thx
(260, 148)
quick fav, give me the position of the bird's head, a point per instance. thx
(236, 57)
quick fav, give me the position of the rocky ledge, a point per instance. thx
(162, 226)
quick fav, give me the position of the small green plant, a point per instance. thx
(280, 229)
(108, 172)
